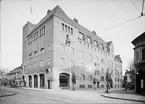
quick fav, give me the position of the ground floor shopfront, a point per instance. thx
(62, 80)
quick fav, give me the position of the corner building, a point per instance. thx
(139, 61)
(48, 62)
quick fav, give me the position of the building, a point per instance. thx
(139, 61)
(15, 76)
(117, 71)
(57, 46)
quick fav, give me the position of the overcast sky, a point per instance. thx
(92, 14)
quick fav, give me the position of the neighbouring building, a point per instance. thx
(58, 46)
(139, 61)
(15, 76)
(117, 71)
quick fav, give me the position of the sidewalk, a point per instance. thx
(124, 95)
(5, 93)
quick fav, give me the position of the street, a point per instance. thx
(45, 96)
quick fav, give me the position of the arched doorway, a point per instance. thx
(30, 81)
(42, 80)
(98, 84)
(64, 80)
(35, 81)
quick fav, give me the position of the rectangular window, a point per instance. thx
(81, 36)
(41, 63)
(143, 54)
(95, 43)
(65, 28)
(49, 48)
(40, 32)
(72, 51)
(89, 40)
(62, 61)
(71, 30)
(62, 26)
(35, 65)
(68, 29)
(102, 46)
(90, 57)
(49, 61)
(36, 34)
(82, 54)
(44, 30)
(29, 67)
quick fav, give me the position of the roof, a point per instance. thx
(142, 36)
(58, 12)
(109, 43)
(18, 69)
(118, 58)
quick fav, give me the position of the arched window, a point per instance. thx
(90, 78)
(42, 50)
(82, 77)
(35, 53)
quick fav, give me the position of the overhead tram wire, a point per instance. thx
(120, 24)
(106, 29)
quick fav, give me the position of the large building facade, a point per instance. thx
(58, 46)
(139, 61)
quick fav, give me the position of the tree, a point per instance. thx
(73, 80)
(131, 71)
(94, 82)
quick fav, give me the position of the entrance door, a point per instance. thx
(97, 84)
(48, 84)
(64, 80)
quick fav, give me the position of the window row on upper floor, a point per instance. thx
(83, 77)
(89, 40)
(67, 29)
(35, 65)
(31, 55)
(36, 35)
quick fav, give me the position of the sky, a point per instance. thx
(95, 15)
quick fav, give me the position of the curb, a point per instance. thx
(8, 95)
(121, 98)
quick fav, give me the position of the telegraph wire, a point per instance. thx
(135, 5)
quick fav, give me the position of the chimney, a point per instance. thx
(75, 20)
(94, 32)
(48, 11)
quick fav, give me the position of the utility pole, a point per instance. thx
(107, 81)
(142, 7)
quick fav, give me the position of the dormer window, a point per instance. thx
(89, 40)
(81, 36)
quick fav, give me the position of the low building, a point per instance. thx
(15, 76)
(139, 61)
